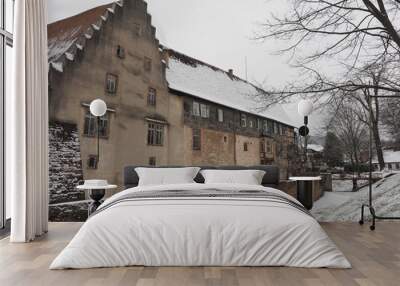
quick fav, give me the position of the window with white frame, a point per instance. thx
(243, 120)
(220, 115)
(111, 83)
(155, 134)
(196, 108)
(268, 147)
(196, 138)
(90, 125)
(152, 96)
(204, 110)
(276, 131)
(137, 30)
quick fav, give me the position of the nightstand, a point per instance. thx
(305, 190)
(97, 190)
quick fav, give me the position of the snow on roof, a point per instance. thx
(315, 147)
(66, 35)
(389, 156)
(199, 79)
(184, 73)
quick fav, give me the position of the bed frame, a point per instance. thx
(271, 177)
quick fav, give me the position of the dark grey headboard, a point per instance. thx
(271, 178)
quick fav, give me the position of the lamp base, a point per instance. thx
(374, 216)
(96, 196)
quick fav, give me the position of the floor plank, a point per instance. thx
(375, 257)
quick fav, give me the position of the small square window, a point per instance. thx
(196, 108)
(137, 30)
(120, 52)
(152, 96)
(152, 161)
(147, 64)
(111, 83)
(92, 162)
(220, 115)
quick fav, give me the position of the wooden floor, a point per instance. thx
(375, 257)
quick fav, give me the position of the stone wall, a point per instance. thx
(217, 148)
(65, 172)
(249, 156)
(72, 211)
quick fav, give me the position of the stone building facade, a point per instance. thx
(221, 122)
(116, 58)
(111, 52)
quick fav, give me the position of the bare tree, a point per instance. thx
(354, 33)
(368, 103)
(391, 117)
(347, 27)
(351, 132)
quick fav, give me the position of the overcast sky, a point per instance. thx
(218, 32)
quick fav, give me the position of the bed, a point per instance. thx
(201, 224)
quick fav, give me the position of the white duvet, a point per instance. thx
(200, 232)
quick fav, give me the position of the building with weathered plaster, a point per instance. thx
(164, 108)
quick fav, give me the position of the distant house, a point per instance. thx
(391, 159)
(315, 148)
(315, 156)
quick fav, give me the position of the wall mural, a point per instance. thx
(168, 108)
(161, 108)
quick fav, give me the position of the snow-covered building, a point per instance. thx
(391, 159)
(315, 148)
(164, 108)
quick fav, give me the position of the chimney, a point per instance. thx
(230, 72)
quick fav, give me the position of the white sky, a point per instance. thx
(218, 32)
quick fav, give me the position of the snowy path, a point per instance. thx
(345, 206)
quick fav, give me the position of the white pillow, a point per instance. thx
(166, 176)
(247, 177)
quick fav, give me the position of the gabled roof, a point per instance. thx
(315, 147)
(67, 36)
(199, 79)
(184, 73)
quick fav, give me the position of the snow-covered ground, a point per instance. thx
(345, 206)
(345, 185)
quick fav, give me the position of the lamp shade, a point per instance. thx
(305, 107)
(98, 107)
